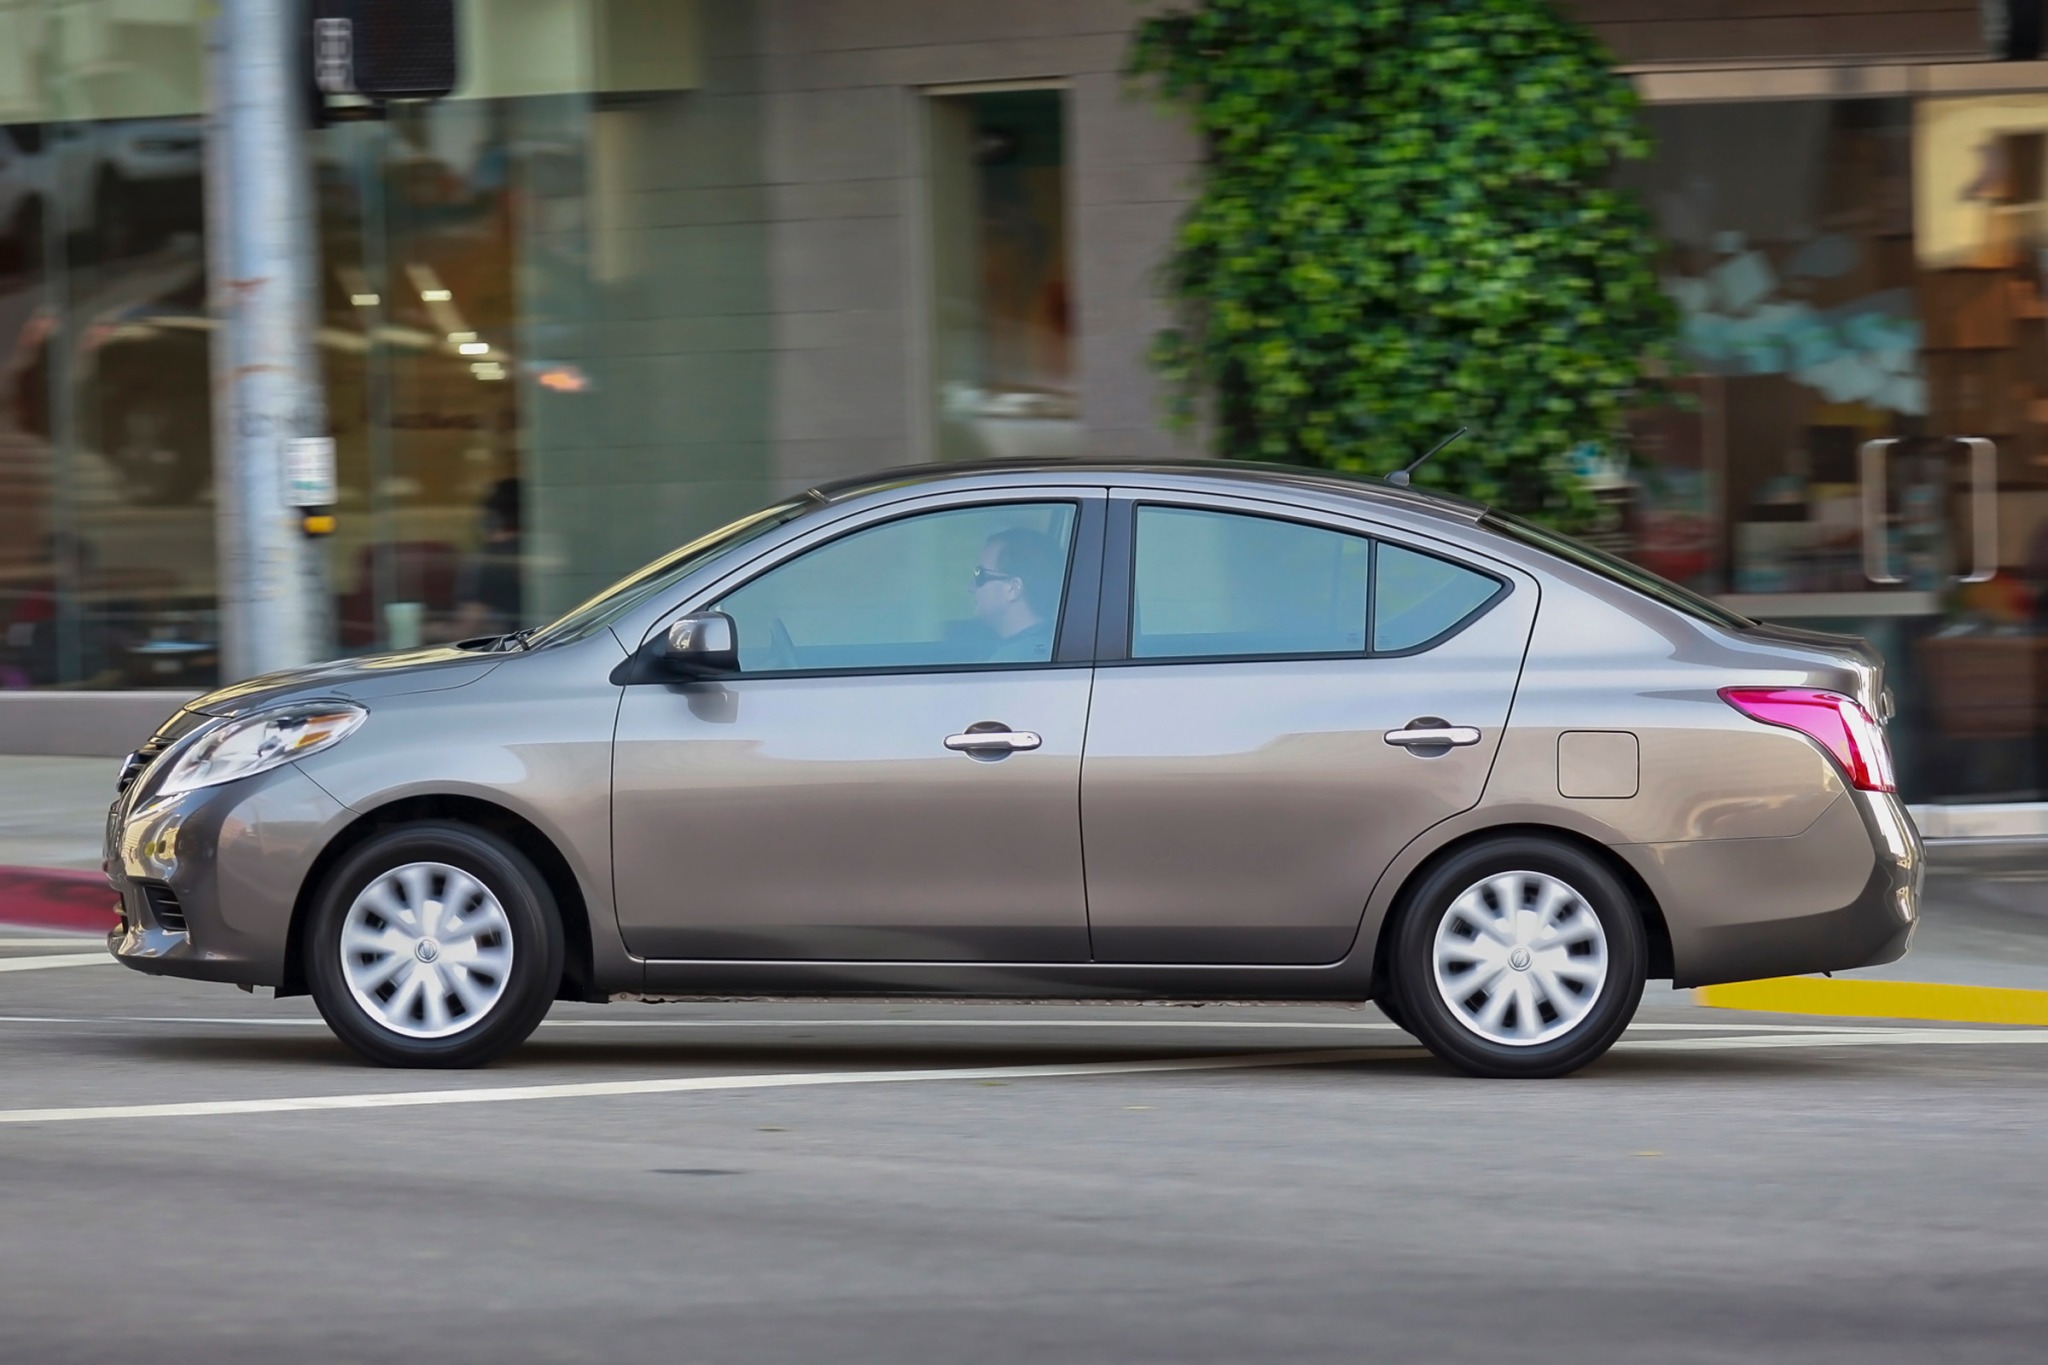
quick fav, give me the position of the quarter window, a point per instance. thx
(1418, 598)
(1220, 584)
(974, 585)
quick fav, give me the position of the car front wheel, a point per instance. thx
(434, 945)
(1519, 957)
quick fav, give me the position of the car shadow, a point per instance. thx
(560, 1059)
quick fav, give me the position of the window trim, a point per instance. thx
(1114, 628)
(1077, 608)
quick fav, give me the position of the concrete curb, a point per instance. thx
(52, 898)
(1880, 1000)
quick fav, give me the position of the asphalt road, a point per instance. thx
(1722, 1188)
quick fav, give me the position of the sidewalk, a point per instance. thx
(52, 812)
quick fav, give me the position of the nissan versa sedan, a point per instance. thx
(1055, 731)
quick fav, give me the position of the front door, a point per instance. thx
(1298, 703)
(893, 774)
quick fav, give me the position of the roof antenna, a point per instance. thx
(1399, 478)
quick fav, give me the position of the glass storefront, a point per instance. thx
(1859, 440)
(544, 363)
(106, 528)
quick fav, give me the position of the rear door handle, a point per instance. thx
(1416, 735)
(993, 741)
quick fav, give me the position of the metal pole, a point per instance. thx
(267, 384)
(67, 289)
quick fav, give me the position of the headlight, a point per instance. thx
(149, 839)
(257, 743)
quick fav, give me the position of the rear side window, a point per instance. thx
(1418, 598)
(1220, 585)
(1223, 585)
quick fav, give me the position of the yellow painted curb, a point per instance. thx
(1879, 1000)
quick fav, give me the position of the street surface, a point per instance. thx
(731, 1182)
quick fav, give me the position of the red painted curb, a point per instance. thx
(53, 898)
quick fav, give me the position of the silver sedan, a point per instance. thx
(1072, 731)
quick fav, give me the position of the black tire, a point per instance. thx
(1391, 1007)
(1425, 1012)
(537, 946)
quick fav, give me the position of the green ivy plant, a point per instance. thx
(1409, 224)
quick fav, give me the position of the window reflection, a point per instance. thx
(108, 420)
(28, 557)
(417, 226)
(1003, 343)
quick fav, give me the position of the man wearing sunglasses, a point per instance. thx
(1016, 594)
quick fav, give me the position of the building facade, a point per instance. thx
(658, 261)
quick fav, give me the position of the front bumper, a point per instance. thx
(208, 880)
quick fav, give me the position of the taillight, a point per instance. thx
(1837, 723)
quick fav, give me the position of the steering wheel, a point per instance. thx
(781, 649)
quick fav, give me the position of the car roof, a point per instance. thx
(1239, 473)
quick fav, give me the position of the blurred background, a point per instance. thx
(655, 263)
(658, 261)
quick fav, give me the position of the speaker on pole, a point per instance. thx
(2012, 29)
(385, 49)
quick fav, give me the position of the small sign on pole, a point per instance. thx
(309, 471)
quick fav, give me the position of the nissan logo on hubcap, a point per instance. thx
(426, 950)
(1518, 959)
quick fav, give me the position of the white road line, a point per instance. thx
(75, 941)
(678, 1085)
(36, 964)
(1888, 1037)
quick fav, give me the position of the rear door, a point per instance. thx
(1283, 700)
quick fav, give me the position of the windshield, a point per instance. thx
(1618, 570)
(638, 586)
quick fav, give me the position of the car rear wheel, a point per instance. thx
(1518, 957)
(434, 945)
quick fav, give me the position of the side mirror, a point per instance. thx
(701, 644)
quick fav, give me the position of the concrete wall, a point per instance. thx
(754, 321)
(845, 147)
(650, 273)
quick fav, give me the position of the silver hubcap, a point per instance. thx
(426, 950)
(1520, 958)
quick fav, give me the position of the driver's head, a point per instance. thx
(1016, 580)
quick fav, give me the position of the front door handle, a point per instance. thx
(1431, 733)
(993, 741)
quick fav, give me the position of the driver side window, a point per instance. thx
(966, 586)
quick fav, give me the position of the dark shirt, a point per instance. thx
(1031, 645)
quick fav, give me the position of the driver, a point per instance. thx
(1016, 594)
